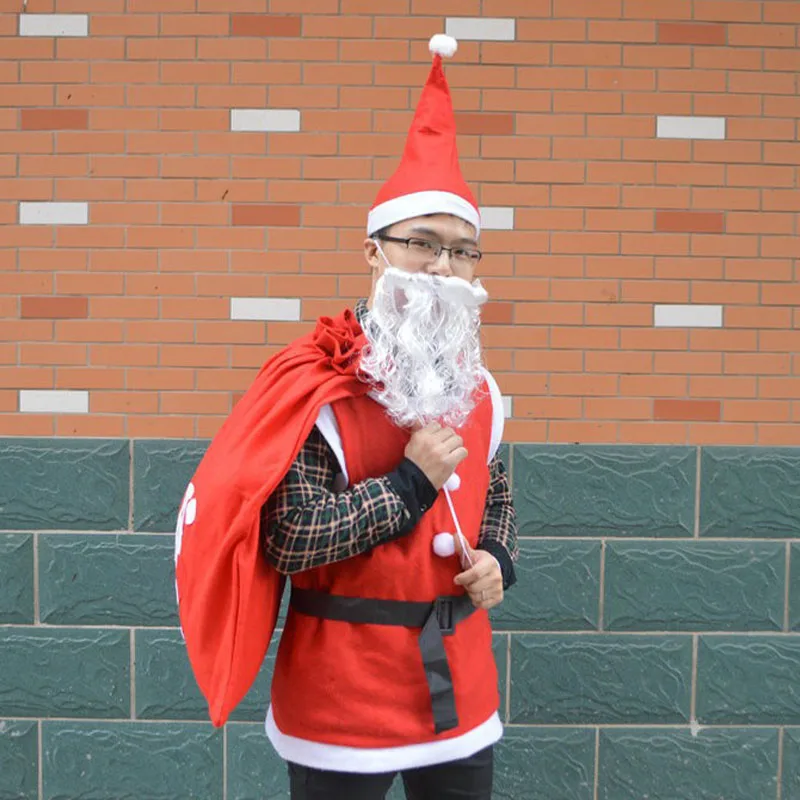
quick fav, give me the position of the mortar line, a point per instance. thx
(693, 700)
(522, 537)
(697, 493)
(37, 610)
(130, 486)
(508, 678)
(601, 606)
(133, 673)
(571, 726)
(571, 633)
(224, 762)
(787, 578)
(40, 771)
(596, 763)
(779, 782)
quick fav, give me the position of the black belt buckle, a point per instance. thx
(443, 607)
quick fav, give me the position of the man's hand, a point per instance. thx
(437, 451)
(483, 580)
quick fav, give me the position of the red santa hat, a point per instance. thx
(429, 179)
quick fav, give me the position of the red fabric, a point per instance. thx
(430, 158)
(364, 685)
(228, 594)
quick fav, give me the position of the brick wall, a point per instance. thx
(636, 162)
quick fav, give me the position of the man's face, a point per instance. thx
(423, 351)
(419, 254)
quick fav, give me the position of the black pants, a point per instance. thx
(467, 779)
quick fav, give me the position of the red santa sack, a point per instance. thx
(228, 594)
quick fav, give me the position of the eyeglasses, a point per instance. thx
(424, 251)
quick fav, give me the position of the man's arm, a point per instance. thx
(306, 524)
(498, 534)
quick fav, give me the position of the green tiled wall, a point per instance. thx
(651, 647)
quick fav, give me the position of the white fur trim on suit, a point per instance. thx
(382, 759)
(498, 414)
(329, 428)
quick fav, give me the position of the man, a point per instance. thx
(393, 515)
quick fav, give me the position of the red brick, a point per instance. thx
(761, 83)
(194, 24)
(50, 353)
(644, 55)
(265, 25)
(167, 48)
(39, 119)
(497, 124)
(262, 215)
(780, 11)
(726, 58)
(622, 31)
(124, 25)
(53, 72)
(691, 33)
(655, 9)
(19, 48)
(90, 425)
(495, 313)
(728, 10)
(309, 50)
(587, 8)
(689, 222)
(580, 432)
(622, 79)
(587, 55)
(761, 35)
(54, 307)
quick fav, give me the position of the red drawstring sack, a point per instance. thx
(228, 594)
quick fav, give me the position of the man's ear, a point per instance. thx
(371, 254)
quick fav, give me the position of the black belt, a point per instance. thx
(437, 620)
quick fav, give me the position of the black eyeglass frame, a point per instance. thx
(436, 246)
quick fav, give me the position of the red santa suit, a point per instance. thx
(341, 688)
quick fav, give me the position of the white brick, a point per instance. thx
(487, 29)
(265, 119)
(508, 409)
(689, 316)
(497, 218)
(277, 309)
(53, 401)
(53, 24)
(53, 213)
(690, 128)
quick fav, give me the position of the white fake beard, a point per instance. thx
(424, 347)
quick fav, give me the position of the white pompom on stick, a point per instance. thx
(443, 45)
(453, 483)
(444, 545)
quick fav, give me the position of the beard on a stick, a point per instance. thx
(423, 352)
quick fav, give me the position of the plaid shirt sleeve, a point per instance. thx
(499, 525)
(307, 524)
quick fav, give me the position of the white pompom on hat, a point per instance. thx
(443, 45)
(428, 179)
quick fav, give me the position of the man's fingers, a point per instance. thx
(457, 456)
(486, 599)
(461, 544)
(488, 584)
(470, 576)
